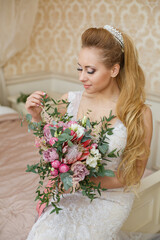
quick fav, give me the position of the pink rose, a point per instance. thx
(48, 125)
(80, 171)
(63, 168)
(54, 172)
(55, 164)
(53, 140)
(47, 134)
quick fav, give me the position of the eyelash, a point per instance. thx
(79, 69)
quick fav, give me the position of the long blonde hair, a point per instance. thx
(130, 105)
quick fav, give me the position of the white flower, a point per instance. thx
(95, 152)
(91, 161)
(78, 129)
(93, 157)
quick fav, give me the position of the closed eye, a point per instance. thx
(79, 69)
(89, 72)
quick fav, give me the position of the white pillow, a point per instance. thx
(6, 110)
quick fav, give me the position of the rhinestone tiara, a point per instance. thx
(116, 34)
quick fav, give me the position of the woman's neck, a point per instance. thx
(111, 93)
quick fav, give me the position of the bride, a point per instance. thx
(113, 80)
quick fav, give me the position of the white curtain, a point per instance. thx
(16, 23)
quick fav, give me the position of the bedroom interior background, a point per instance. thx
(49, 61)
(16, 24)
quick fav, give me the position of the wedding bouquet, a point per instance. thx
(71, 153)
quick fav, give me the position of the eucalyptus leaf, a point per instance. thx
(109, 173)
(64, 137)
(103, 148)
(28, 117)
(67, 180)
(88, 124)
(68, 131)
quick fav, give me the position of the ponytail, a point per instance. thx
(130, 107)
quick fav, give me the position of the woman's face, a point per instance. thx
(92, 72)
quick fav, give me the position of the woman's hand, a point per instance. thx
(34, 105)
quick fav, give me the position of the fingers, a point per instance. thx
(34, 101)
(36, 95)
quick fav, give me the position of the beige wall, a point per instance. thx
(55, 40)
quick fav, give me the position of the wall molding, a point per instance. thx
(40, 76)
(37, 77)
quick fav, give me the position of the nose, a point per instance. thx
(83, 76)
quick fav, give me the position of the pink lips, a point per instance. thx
(86, 86)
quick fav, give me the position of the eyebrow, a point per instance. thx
(86, 66)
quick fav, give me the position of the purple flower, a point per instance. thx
(80, 171)
(50, 155)
(47, 134)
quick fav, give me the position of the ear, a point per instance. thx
(115, 70)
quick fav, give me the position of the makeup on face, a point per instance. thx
(89, 69)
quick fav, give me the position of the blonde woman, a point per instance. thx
(113, 80)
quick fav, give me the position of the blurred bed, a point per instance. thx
(17, 188)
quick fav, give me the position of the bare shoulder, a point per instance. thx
(147, 116)
(148, 123)
(62, 108)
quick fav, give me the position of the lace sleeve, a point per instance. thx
(74, 98)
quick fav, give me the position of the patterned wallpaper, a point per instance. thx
(55, 40)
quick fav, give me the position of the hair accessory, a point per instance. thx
(116, 34)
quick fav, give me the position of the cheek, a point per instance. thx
(100, 80)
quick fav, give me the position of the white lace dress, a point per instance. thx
(81, 220)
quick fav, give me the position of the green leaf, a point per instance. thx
(52, 132)
(22, 98)
(32, 168)
(64, 137)
(41, 182)
(70, 144)
(110, 131)
(88, 124)
(112, 154)
(67, 180)
(110, 116)
(68, 131)
(105, 172)
(28, 117)
(56, 209)
(103, 148)
(109, 173)
(101, 171)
